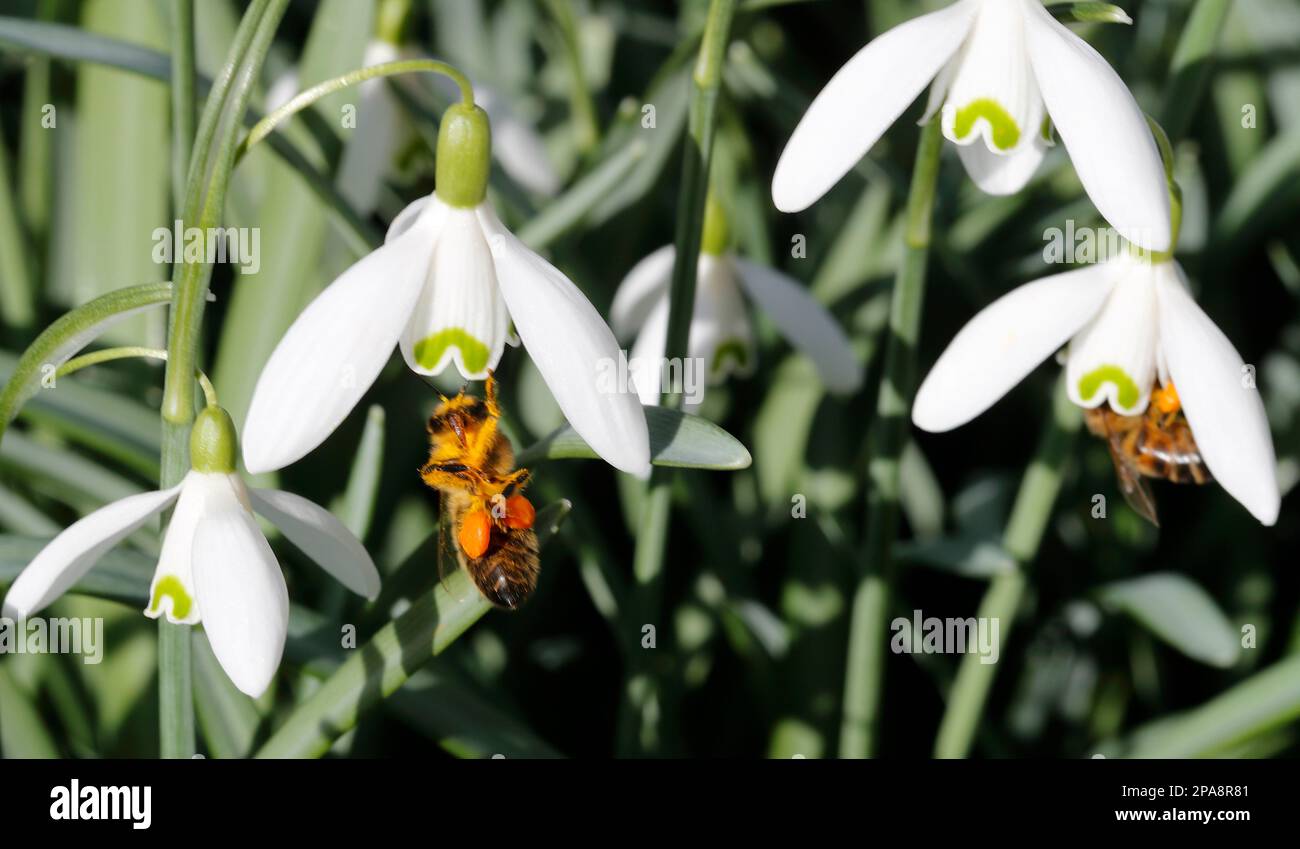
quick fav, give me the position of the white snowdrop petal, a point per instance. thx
(243, 596)
(863, 98)
(722, 336)
(321, 536)
(1103, 128)
(1113, 359)
(171, 592)
(640, 290)
(993, 99)
(1223, 407)
(1002, 173)
(458, 316)
(573, 348)
(1003, 343)
(409, 215)
(646, 359)
(72, 553)
(335, 349)
(809, 327)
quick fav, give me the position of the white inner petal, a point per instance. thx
(172, 590)
(1113, 359)
(721, 333)
(993, 95)
(460, 317)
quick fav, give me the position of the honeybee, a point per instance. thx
(471, 466)
(1155, 444)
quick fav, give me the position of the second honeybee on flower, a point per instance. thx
(1157, 444)
(471, 465)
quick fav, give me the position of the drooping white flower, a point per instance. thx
(1129, 322)
(215, 566)
(721, 333)
(445, 287)
(1001, 70)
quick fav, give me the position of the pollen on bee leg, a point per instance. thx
(1166, 399)
(475, 532)
(519, 512)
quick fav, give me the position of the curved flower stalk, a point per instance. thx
(1129, 323)
(215, 567)
(445, 288)
(722, 335)
(374, 144)
(1002, 72)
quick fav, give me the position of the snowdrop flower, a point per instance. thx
(721, 335)
(1003, 72)
(216, 567)
(445, 288)
(1129, 322)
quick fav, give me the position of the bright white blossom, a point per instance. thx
(722, 335)
(215, 566)
(1003, 72)
(1128, 322)
(445, 288)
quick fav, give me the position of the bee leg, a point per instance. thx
(490, 390)
(450, 476)
(487, 436)
(515, 481)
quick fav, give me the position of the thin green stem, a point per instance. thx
(584, 109)
(107, 355)
(391, 20)
(182, 89)
(204, 204)
(1024, 533)
(637, 725)
(66, 335)
(175, 691)
(868, 629)
(303, 99)
(209, 175)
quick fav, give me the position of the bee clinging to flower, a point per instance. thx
(1157, 444)
(472, 466)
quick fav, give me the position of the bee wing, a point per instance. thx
(1137, 492)
(448, 556)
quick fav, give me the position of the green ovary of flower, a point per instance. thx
(1006, 133)
(732, 349)
(1091, 382)
(171, 585)
(474, 354)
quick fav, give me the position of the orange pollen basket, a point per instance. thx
(475, 533)
(1166, 399)
(519, 513)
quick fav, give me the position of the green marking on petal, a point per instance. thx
(171, 585)
(473, 353)
(1005, 130)
(1045, 131)
(731, 349)
(1091, 382)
